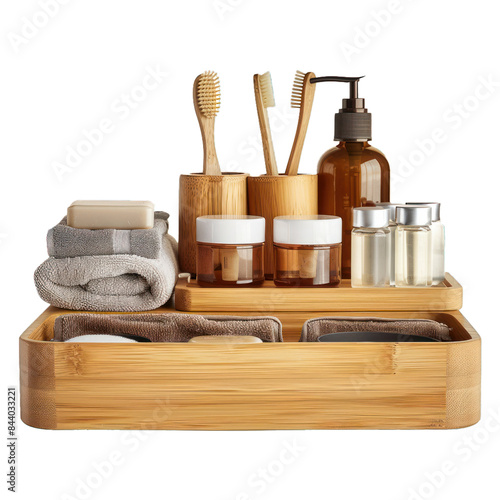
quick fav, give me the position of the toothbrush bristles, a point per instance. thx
(208, 93)
(266, 87)
(298, 85)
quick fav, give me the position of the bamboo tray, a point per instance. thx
(270, 299)
(288, 385)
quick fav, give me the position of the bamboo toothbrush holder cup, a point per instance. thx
(201, 194)
(272, 196)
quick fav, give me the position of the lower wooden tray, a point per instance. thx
(288, 385)
(269, 298)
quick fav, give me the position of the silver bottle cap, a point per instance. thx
(371, 217)
(435, 207)
(414, 215)
(391, 206)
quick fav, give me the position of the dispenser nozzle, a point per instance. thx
(352, 80)
(353, 89)
(352, 122)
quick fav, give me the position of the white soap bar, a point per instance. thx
(93, 214)
(225, 339)
(98, 338)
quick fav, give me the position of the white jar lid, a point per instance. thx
(231, 229)
(308, 230)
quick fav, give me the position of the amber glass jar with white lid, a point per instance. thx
(307, 250)
(230, 250)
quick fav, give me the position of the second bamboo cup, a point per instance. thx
(271, 196)
(201, 194)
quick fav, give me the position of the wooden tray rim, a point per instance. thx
(52, 312)
(189, 297)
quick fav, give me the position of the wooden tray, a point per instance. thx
(269, 299)
(286, 385)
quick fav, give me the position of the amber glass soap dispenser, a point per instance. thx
(353, 173)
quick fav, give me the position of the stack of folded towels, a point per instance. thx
(109, 269)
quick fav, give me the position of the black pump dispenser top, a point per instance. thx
(353, 123)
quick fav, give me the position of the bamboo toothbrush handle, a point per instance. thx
(210, 161)
(265, 130)
(300, 135)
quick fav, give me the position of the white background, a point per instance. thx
(424, 62)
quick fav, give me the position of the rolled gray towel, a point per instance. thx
(122, 283)
(65, 241)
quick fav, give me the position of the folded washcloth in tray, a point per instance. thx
(65, 241)
(123, 282)
(316, 327)
(166, 327)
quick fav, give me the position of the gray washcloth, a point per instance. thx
(110, 282)
(168, 327)
(65, 241)
(316, 327)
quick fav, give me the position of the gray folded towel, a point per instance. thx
(165, 327)
(110, 282)
(65, 241)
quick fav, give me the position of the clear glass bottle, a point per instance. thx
(392, 228)
(307, 250)
(437, 231)
(371, 247)
(230, 250)
(413, 246)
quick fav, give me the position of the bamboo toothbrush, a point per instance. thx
(206, 96)
(264, 98)
(302, 97)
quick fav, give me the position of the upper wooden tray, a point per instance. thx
(268, 298)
